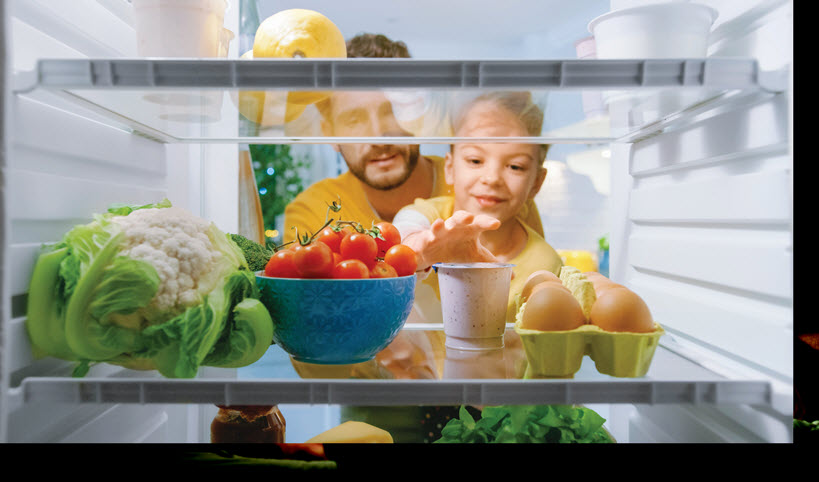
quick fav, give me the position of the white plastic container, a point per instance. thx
(474, 301)
(593, 105)
(662, 30)
(188, 29)
(179, 28)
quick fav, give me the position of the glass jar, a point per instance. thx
(248, 424)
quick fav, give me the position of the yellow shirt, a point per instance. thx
(536, 255)
(308, 211)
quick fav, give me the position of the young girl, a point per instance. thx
(481, 221)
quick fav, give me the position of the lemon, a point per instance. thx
(266, 108)
(299, 33)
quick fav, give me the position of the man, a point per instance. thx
(381, 178)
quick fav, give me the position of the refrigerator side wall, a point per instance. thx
(61, 167)
(706, 239)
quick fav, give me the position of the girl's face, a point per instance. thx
(493, 179)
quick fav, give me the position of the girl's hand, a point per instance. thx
(455, 240)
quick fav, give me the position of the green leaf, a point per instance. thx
(93, 247)
(81, 369)
(122, 209)
(175, 345)
(248, 331)
(45, 311)
(126, 285)
(603, 243)
(527, 424)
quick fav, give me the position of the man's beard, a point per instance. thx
(359, 171)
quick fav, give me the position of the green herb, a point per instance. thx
(527, 424)
(603, 243)
(256, 255)
(805, 425)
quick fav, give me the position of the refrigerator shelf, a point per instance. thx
(197, 100)
(672, 379)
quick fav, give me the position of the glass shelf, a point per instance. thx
(437, 377)
(276, 101)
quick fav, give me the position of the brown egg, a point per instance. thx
(552, 308)
(535, 279)
(602, 288)
(621, 310)
(549, 284)
(601, 283)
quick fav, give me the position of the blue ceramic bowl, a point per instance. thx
(336, 321)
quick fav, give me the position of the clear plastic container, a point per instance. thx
(179, 28)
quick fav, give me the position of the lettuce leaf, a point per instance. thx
(93, 277)
(527, 424)
(46, 306)
(122, 209)
(246, 340)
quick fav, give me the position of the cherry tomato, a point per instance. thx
(282, 265)
(351, 269)
(391, 237)
(360, 246)
(314, 260)
(331, 238)
(402, 258)
(382, 270)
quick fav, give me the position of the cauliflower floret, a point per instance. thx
(176, 244)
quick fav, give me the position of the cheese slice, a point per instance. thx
(353, 432)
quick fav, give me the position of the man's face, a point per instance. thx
(370, 114)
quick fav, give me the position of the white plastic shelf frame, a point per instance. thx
(196, 100)
(675, 376)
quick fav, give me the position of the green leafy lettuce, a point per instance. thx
(527, 424)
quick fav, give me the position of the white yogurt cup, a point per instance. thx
(661, 30)
(474, 299)
(670, 29)
(179, 28)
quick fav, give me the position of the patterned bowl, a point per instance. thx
(336, 321)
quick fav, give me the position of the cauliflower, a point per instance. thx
(147, 287)
(176, 244)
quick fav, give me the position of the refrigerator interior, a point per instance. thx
(697, 205)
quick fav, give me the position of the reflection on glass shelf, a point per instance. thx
(214, 116)
(311, 101)
(420, 354)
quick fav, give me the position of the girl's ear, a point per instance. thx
(541, 176)
(449, 168)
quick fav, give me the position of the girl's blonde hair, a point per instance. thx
(519, 103)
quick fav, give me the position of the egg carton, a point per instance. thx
(559, 354)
